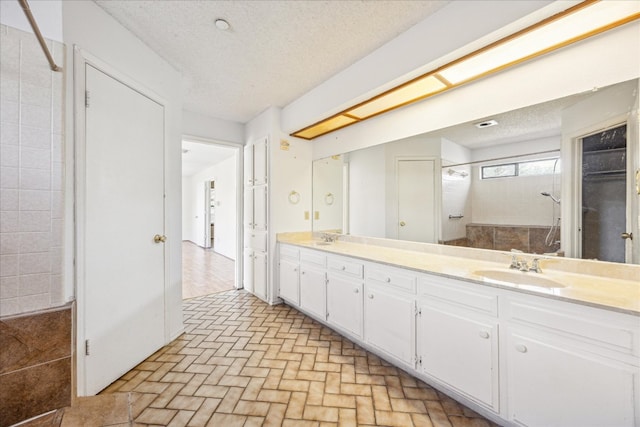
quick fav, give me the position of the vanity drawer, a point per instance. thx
(289, 252)
(312, 257)
(345, 266)
(605, 330)
(391, 276)
(457, 293)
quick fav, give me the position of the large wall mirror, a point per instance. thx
(554, 178)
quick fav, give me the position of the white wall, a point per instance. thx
(327, 174)
(367, 192)
(515, 200)
(91, 29)
(207, 127)
(47, 13)
(193, 208)
(188, 212)
(456, 189)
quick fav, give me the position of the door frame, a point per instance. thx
(571, 213)
(437, 194)
(239, 148)
(81, 58)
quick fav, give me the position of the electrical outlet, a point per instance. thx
(306, 215)
(316, 215)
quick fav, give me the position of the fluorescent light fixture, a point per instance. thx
(577, 23)
(406, 94)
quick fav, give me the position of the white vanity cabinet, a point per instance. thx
(313, 286)
(390, 312)
(520, 359)
(289, 277)
(457, 338)
(570, 365)
(344, 295)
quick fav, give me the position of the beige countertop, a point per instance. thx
(594, 290)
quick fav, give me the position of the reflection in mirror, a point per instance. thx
(510, 181)
(328, 195)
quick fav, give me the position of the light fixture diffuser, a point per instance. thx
(577, 23)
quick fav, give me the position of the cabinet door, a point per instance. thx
(248, 165)
(552, 385)
(344, 304)
(247, 270)
(260, 274)
(313, 291)
(248, 207)
(260, 156)
(389, 323)
(289, 289)
(460, 351)
(260, 208)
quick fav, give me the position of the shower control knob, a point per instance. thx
(627, 236)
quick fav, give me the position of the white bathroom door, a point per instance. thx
(123, 267)
(416, 200)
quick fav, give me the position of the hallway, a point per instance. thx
(204, 271)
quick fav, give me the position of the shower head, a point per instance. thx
(547, 194)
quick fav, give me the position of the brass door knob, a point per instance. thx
(627, 236)
(402, 223)
(159, 239)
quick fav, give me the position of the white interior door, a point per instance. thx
(416, 200)
(123, 281)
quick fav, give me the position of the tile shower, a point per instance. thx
(35, 321)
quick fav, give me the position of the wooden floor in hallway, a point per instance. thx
(205, 271)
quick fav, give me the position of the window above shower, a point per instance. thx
(528, 168)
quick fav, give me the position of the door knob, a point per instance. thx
(159, 239)
(627, 236)
(402, 223)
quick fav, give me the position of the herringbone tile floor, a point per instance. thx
(242, 362)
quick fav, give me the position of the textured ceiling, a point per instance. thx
(200, 156)
(524, 124)
(274, 52)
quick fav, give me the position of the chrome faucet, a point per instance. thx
(535, 265)
(328, 237)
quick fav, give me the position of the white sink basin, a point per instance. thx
(519, 278)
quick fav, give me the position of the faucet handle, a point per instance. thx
(515, 263)
(535, 265)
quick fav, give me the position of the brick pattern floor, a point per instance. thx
(242, 362)
(205, 271)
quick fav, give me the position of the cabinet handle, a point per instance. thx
(388, 280)
(295, 270)
(356, 290)
(344, 268)
(370, 296)
(303, 272)
(521, 348)
(484, 334)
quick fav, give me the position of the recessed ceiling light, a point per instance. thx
(222, 24)
(486, 124)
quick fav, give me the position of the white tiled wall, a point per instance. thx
(31, 168)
